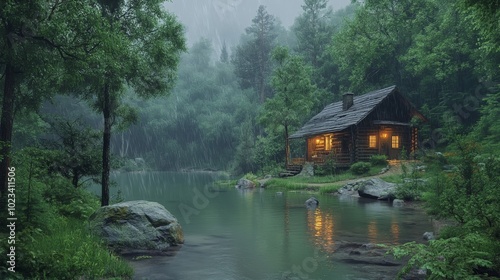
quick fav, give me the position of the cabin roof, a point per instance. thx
(332, 118)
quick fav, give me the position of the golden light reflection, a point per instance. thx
(395, 232)
(372, 232)
(321, 228)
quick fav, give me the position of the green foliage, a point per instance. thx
(252, 177)
(468, 198)
(252, 58)
(292, 83)
(460, 257)
(53, 241)
(69, 252)
(329, 167)
(410, 191)
(292, 101)
(75, 153)
(378, 160)
(360, 168)
(488, 129)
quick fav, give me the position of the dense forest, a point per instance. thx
(103, 85)
(442, 55)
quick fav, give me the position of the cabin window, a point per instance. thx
(372, 141)
(323, 142)
(395, 142)
(328, 142)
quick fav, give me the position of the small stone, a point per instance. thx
(398, 203)
(428, 236)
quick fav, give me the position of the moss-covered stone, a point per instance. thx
(137, 225)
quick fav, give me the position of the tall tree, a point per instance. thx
(224, 55)
(140, 46)
(313, 31)
(38, 37)
(252, 58)
(293, 98)
(370, 47)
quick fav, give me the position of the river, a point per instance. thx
(261, 234)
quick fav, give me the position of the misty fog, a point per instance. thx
(225, 20)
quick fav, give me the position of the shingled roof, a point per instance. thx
(333, 118)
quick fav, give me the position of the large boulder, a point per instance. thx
(136, 226)
(377, 188)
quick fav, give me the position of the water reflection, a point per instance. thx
(372, 232)
(322, 230)
(395, 232)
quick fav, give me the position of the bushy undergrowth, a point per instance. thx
(53, 241)
(471, 248)
(360, 168)
(378, 160)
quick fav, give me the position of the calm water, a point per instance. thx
(260, 234)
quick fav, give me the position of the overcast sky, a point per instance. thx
(225, 20)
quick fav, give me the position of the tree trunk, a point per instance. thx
(75, 179)
(287, 147)
(106, 143)
(6, 123)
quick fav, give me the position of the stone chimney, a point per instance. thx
(347, 100)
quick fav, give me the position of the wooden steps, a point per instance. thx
(291, 170)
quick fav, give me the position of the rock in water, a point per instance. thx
(312, 202)
(136, 226)
(377, 188)
(245, 184)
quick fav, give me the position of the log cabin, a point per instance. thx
(358, 127)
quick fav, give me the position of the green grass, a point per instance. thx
(394, 178)
(286, 183)
(72, 252)
(333, 188)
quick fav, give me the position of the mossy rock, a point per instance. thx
(137, 225)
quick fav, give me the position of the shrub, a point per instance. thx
(377, 160)
(360, 168)
(408, 192)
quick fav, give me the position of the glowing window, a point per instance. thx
(395, 142)
(372, 141)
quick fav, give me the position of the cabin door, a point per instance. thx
(385, 147)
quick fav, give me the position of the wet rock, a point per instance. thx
(372, 261)
(312, 202)
(245, 184)
(398, 203)
(136, 226)
(377, 189)
(351, 188)
(307, 170)
(384, 170)
(364, 254)
(428, 236)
